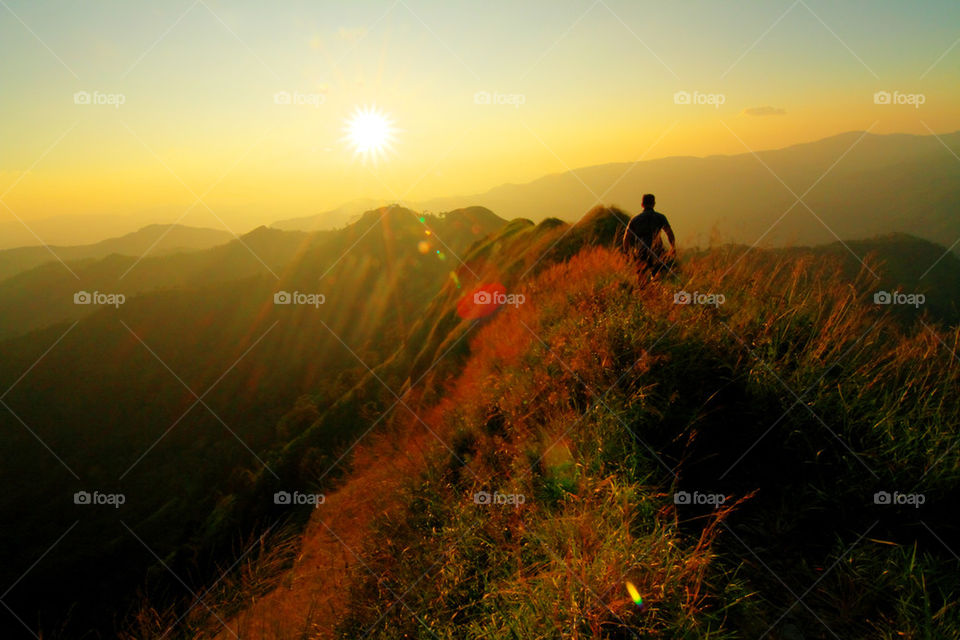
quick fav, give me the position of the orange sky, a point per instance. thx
(189, 126)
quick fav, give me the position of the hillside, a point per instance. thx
(175, 399)
(589, 414)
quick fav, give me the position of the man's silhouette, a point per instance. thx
(642, 240)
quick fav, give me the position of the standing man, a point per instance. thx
(642, 240)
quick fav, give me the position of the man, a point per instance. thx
(642, 240)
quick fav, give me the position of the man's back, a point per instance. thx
(643, 231)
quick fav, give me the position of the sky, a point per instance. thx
(188, 117)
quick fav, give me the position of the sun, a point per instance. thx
(370, 132)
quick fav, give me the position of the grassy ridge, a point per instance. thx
(797, 399)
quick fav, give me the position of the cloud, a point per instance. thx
(763, 111)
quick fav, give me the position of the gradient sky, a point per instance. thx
(597, 80)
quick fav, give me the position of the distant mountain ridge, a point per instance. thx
(332, 219)
(860, 185)
(43, 295)
(154, 239)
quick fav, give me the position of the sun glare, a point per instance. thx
(370, 132)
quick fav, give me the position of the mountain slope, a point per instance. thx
(602, 404)
(175, 400)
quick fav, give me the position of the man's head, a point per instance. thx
(648, 201)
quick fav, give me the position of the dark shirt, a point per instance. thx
(643, 233)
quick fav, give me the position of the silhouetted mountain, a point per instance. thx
(154, 240)
(45, 294)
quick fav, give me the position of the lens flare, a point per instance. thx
(634, 594)
(481, 301)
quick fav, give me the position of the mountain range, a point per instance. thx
(848, 186)
(174, 397)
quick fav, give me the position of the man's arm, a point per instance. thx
(673, 241)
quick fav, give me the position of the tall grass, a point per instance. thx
(260, 567)
(599, 397)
